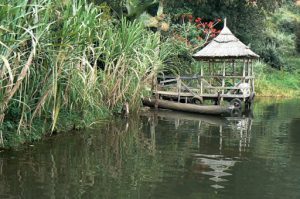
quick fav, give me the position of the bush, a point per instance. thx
(288, 26)
(271, 56)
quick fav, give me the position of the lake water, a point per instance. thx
(165, 155)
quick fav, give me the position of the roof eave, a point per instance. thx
(225, 57)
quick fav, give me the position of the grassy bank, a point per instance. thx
(68, 65)
(277, 83)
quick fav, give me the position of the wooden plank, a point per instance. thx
(195, 77)
(168, 81)
(181, 77)
(227, 77)
(175, 94)
(168, 86)
(220, 87)
(223, 95)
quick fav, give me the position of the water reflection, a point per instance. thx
(164, 155)
(216, 165)
(88, 165)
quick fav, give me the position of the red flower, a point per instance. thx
(198, 20)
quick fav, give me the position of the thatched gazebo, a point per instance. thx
(226, 74)
(227, 70)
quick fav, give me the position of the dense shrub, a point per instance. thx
(288, 26)
(271, 56)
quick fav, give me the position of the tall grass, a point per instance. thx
(64, 58)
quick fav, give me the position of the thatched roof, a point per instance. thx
(225, 45)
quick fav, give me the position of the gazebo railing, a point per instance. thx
(203, 86)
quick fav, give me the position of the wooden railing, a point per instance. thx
(180, 86)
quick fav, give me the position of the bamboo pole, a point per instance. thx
(201, 83)
(249, 68)
(179, 87)
(210, 71)
(233, 72)
(244, 71)
(223, 80)
(253, 79)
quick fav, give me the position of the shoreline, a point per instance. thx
(68, 131)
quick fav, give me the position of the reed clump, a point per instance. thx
(65, 64)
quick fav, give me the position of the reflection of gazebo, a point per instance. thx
(219, 167)
(228, 69)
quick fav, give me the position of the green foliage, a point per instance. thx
(176, 56)
(279, 39)
(184, 39)
(64, 59)
(271, 56)
(267, 26)
(130, 8)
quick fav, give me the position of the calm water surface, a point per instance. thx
(165, 155)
